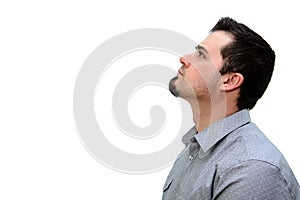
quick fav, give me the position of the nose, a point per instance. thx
(184, 62)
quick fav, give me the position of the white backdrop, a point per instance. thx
(42, 48)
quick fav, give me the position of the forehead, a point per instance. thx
(214, 42)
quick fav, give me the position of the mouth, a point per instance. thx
(180, 72)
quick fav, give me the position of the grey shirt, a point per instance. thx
(230, 160)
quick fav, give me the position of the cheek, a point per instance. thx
(198, 82)
(204, 74)
(206, 79)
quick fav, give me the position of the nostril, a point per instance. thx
(184, 61)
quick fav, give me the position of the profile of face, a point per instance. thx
(199, 76)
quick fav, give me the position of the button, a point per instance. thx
(191, 157)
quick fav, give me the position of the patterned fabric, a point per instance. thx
(230, 160)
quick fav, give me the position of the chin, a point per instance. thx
(172, 87)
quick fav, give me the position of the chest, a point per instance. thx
(192, 177)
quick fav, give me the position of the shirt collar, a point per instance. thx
(218, 130)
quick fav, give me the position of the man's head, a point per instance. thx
(233, 58)
(250, 55)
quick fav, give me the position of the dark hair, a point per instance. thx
(250, 55)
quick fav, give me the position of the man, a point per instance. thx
(227, 156)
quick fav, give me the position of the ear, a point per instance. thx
(231, 81)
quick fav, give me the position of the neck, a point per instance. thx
(206, 113)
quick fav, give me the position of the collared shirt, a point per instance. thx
(230, 160)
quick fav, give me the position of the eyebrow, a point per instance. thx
(199, 47)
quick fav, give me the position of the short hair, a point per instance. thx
(250, 55)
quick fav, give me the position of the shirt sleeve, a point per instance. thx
(251, 180)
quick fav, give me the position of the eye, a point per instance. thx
(199, 53)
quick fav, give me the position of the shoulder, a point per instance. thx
(250, 169)
(249, 143)
(251, 161)
(252, 178)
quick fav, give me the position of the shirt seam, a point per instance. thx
(264, 161)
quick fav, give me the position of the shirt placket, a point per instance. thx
(194, 150)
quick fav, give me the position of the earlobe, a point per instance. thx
(232, 81)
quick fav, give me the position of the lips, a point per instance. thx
(180, 72)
